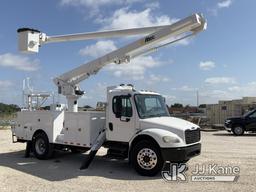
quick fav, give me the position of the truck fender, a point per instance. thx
(155, 134)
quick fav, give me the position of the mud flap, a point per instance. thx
(28, 149)
(88, 160)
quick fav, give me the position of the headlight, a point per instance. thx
(228, 121)
(170, 139)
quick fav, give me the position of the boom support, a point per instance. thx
(30, 40)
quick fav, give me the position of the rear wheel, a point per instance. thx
(146, 158)
(42, 149)
(238, 130)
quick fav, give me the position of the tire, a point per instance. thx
(146, 158)
(42, 149)
(238, 130)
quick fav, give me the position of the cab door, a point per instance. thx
(121, 119)
(251, 122)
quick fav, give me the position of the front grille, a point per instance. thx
(192, 136)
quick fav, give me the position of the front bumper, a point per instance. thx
(181, 154)
(227, 127)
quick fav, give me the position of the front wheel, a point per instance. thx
(238, 130)
(146, 158)
(42, 149)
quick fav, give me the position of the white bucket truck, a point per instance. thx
(136, 124)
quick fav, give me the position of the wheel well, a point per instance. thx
(38, 132)
(141, 138)
(237, 124)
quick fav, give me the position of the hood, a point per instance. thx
(235, 118)
(172, 124)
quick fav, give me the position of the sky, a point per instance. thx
(219, 63)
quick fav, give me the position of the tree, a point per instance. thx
(177, 105)
(87, 107)
(202, 106)
(47, 108)
(8, 109)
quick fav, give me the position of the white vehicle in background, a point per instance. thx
(135, 125)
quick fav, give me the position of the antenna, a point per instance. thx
(197, 98)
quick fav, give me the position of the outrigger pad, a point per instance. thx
(28, 149)
(88, 160)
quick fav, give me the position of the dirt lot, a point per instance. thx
(62, 173)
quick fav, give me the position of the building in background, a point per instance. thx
(218, 113)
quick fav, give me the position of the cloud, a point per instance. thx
(220, 5)
(185, 88)
(135, 69)
(18, 62)
(220, 80)
(153, 79)
(215, 95)
(5, 83)
(98, 49)
(206, 65)
(94, 6)
(152, 5)
(248, 89)
(89, 3)
(228, 93)
(169, 98)
(98, 3)
(124, 18)
(224, 4)
(224, 89)
(234, 88)
(158, 78)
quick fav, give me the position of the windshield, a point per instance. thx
(151, 106)
(249, 113)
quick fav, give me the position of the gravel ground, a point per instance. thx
(62, 172)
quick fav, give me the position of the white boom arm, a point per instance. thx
(30, 40)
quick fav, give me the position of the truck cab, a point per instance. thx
(140, 121)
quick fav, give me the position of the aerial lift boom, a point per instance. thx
(30, 40)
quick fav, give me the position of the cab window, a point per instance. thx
(122, 106)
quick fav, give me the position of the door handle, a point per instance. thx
(110, 126)
(125, 119)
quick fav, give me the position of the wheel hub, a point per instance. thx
(238, 130)
(147, 158)
(40, 146)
